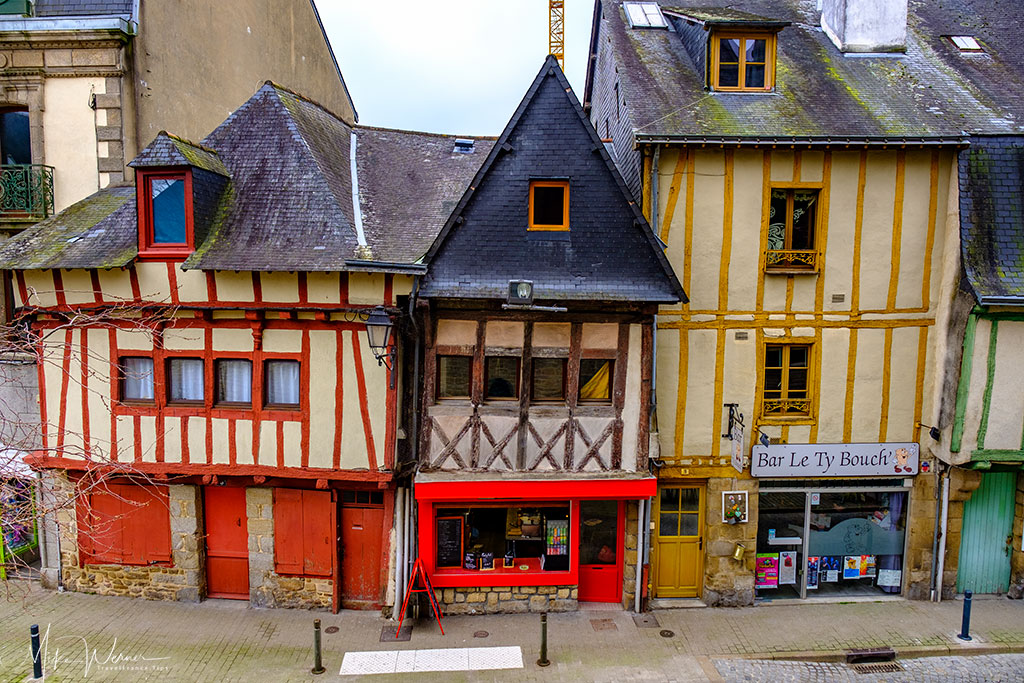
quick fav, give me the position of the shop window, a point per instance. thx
(185, 380)
(596, 380)
(501, 380)
(165, 221)
(548, 379)
(454, 375)
(743, 62)
(136, 378)
(851, 543)
(234, 382)
(549, 205)
(500, 537)
(786, 388)
(303, 537)
(792, 222)
(124, 524)
(281, 383)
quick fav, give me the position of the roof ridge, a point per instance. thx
(304, 98)
(426, 133)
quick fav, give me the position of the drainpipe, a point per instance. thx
(935, 533)
(942, 538)
(399, 548)
(44, 555)
(654, 189)
(640, 507)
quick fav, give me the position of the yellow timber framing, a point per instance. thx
(911, 194)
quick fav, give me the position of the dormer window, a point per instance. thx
(549, 205)
(743, 61)
(966, 43)
(644, 15)
(165, 213)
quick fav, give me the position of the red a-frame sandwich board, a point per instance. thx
(418, 570)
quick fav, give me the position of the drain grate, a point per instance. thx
(876, 667)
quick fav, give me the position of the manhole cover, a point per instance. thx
(603, 625)
(481, 634)
(665, 633)
(646, 620)
(876, 667)
(331, 629)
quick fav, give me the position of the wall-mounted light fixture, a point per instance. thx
(932, 431)
(378, 332)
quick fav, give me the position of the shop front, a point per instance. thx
(832, 519)
(517, 545)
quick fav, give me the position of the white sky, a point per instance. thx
(448, 66)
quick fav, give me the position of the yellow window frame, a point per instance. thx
(787, 259)
(769, 60)
(787, 406)
(564, 225)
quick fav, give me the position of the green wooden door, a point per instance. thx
(986, 541)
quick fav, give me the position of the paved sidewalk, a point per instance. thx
(105, 638)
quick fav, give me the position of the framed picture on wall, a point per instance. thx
(734, 507)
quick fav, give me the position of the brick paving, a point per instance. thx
(227, 641)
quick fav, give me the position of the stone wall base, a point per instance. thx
(293, 591)
(507, 599)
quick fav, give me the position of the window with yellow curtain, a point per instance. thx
(596, 380)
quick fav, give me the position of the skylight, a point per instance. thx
(644, 15)
(966, 43)
(463, 146)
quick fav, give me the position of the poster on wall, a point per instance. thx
(787, 567)
(889, 578)
(812, 573)
(867, 565)
(829, 568)
(851, 567)
(766, 570)
(734, 506)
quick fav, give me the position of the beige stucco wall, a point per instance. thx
(249, 43)
(70, 138)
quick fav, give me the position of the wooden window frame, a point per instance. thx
(533, 385)
(611, 382)
(742, 36)
(252, 385)
(266, 385)
(121, 398)
(487, 376)
(148, 249)
(543, 227)
(167, 380)
(437, 379)
(805, 416)
(807, 258)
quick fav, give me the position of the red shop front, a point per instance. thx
(538, 531)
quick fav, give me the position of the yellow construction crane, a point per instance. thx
(556, 31)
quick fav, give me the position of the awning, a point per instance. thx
(490, 486)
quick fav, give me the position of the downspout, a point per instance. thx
(935, 534)
(640, 506)
(399, 548)
(942, 538)
(44, 555)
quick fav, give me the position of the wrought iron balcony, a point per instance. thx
(26, 192)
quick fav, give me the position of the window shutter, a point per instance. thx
(149, 525)
(288, 536)
(317, 533)
(105, 526)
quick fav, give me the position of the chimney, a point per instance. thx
(866, 25)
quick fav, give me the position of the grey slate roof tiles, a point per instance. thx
(82, 8)
(171, 150)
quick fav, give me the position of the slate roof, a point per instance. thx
(171, 150)
(609, 252)
(931, 91)
(715, 16)
(992, 218)
(409, 183)
(81, 8)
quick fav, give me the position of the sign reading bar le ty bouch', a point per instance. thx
(835, 460)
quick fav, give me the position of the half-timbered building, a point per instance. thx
(537, 317)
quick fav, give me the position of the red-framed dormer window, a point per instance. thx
(165, 213)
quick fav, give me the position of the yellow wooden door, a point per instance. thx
(679, 542)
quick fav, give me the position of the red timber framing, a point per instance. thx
(432, 495)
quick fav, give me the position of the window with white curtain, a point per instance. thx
(185, 380)
(281, 379)
(136, 379)
(234, 381)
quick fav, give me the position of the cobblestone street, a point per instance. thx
(122, 639)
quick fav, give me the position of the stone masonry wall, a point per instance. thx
(506, 599)
(729, 583)
(1017, 559)
(630, 557)
(917, 563)
(267, 588)
(183, 581)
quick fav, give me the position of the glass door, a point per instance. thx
(601, 526)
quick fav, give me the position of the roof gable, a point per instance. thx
(170, 150)
(485, 242)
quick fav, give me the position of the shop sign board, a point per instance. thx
(835, 460)
(737, 449)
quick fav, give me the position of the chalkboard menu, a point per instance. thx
(449, 541)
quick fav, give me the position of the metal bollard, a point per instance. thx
(318, 658)
(543, 661)
(37, 657)
(965, 625)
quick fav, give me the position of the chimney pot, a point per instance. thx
(866, 25)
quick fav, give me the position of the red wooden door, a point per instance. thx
(601, 527)
(361, 529)
(227, 543)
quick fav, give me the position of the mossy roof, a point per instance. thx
(171, 150)
(713, 16)
(931, 90)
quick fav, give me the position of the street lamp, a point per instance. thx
(378, 332)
